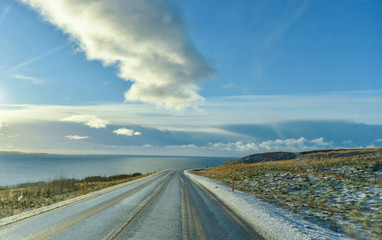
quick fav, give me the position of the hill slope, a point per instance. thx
(337, 189)
(317, 154)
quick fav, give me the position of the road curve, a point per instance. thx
(165, 206)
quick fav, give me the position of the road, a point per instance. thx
(164, 206)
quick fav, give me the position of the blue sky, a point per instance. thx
(190, 77)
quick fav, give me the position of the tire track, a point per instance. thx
(229, 212)
(192, 227)
(116, 232)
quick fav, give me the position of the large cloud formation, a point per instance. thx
(146, 38)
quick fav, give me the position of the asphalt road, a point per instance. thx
(165, 206)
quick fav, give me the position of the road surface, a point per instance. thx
(164, 206)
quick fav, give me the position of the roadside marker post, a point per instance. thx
(233, 184)
(84, 187)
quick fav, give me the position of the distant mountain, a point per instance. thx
(19, 152)
(316, 154)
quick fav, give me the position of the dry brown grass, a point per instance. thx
(324, 167)
(38, 194)
(321, 186)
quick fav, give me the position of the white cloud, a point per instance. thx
(320, 142)
(347, 142)
(187, 146)
(216, 112)
(292, 144)
(126, 132)
(371, 146)
(241, 148)
(145, 38)
(2, 125)
(88, 120)
(234, 146)
(375, 144)
(13, 136)
(76, 137)
(283, 144)
(33, 80)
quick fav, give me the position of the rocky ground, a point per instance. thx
(341, 191)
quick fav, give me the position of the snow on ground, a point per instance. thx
(270, 221)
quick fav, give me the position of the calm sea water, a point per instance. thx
(19, 168)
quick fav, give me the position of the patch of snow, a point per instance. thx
(270, 221)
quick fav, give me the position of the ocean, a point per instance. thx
(19, 168)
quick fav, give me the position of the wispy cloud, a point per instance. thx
(227, 86)
(13, 136)
(33, 80)
(292, 12)
(76, 137)
(88, 120)
(145, 38)
(217, 112)
(38, 57)
(5, 12)
(126, 132)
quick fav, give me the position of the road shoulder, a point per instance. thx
(270, 221)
